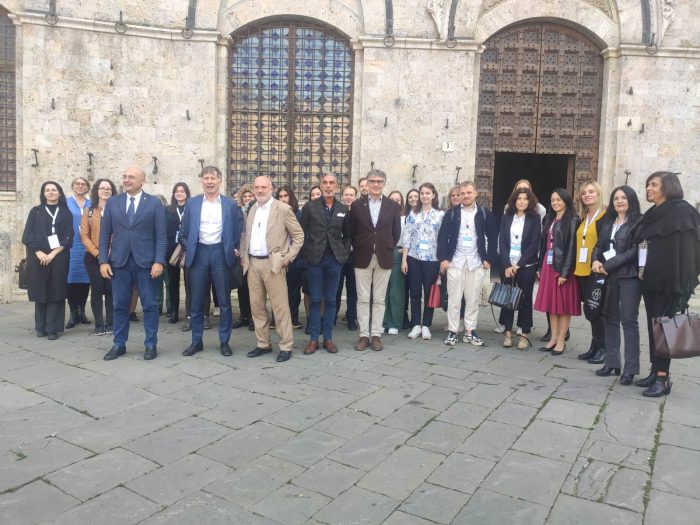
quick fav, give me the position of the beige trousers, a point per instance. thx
(463, 283)
(373, 281)
(261, 284)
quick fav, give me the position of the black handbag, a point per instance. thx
(506, 296)
(593, 302)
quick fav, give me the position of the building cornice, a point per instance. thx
(636, 50)
(415, 43)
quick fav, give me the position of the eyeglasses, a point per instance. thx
(375, 181)
(105, 189)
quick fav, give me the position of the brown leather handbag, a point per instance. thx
(177, 259)
(677, 337)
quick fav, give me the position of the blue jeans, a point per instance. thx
(209, 267)
(123, 280)
(323, 284)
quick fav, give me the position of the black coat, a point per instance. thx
(486, 234)
(530, 242)
(317, 232)
(564, 245)
(47, 284)
(172, 227)
(624, 264)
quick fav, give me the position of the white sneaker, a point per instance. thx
(519, 331)
(425, 333)
(415, 332)
(393, 331)
(216, 312)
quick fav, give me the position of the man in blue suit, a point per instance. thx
(210, 232)
(132, 251)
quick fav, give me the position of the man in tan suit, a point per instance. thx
(266, 251)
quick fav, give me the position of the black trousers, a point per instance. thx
(657, 305)
(77, 295)
(295, 277)
(525, 279)
(598, 324)
(101, 292)
(421, 277)
(347, 274)
(244, 299)
(174, 288)
(49, 317)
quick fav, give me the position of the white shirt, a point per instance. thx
(516, 238)
(258, 233)
(211, 224)
(467, 250)
(137, 199)
(375, 206)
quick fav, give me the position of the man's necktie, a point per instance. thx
(131, 211)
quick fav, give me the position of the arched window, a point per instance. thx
(290, 103)
(7, 104)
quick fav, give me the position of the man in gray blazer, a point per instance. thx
(326, 248)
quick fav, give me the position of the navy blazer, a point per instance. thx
(230, 236)
(530, 241)
(486, 234)
(145, 240)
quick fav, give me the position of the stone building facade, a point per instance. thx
(427, 90)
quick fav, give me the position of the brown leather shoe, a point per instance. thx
(311, 347)
(330, 347)
(362, 343)
(377, 343)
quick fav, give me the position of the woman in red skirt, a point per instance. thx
(558, 293)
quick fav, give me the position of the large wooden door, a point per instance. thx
(539, 92)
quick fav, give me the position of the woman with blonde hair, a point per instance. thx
(592, 210)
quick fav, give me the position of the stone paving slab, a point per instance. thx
(420, 433)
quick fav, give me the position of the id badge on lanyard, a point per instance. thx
(467, 239)
(177, 233)
(515, 251)
(583, 252)
(53, 238)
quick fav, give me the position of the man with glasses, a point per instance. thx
(375, 228)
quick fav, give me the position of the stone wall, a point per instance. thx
(409, 98)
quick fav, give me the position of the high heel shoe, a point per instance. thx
(547, 336)
(599, 356)
(590, 353)
(607, 371)
(545, 349)
(647, 381)
(626, 379)
(661, 387)
(558, 352)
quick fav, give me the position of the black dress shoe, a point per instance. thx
(150, 353)
(243, 321)
(547, 336)
(661, 387)
(115, 352)
(52, 337)
(283, 356)
(626, 379)
(82, 317)
(173, 317)
(558, 352)
(590, 353)
(40, 333)
(545, 349)
(192, 349)
(599, 357)
(225, 349)
(72, 319)
(647, 381)
(257, 352)
(133, 317)
(607, 371)
(352, 324)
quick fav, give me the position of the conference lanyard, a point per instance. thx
(53, 219)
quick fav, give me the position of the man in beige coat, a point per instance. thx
(266, 251)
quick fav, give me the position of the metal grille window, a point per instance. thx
(7, 104)
(291, 104)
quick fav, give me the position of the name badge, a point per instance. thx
(424, 246)
(467, 241)
(341, 214)
(583, 255)
(642, 256)
(515, 251)
(609, 254)
(53, 242)
(550, 257)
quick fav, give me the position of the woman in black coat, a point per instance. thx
(173, 221)
(48, 236)
(518, 250)
(669, 260)
(615, 255)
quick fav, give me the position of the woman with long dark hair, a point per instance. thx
(173, 220)
(669, 260)
(518, 250)
(558, 293)
(100, 288)
(245, 197)
(48, 236)
(419, 262)
(78, 279)
(615, 255)
(295, 269)
(396, 289)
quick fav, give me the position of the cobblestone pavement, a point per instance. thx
(420, 433)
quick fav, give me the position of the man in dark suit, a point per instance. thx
(326, 248)
(375, 228)
(132, 251)
(210, 234)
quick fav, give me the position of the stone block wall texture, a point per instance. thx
(416, 87)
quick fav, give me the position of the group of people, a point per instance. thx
(386, 252)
